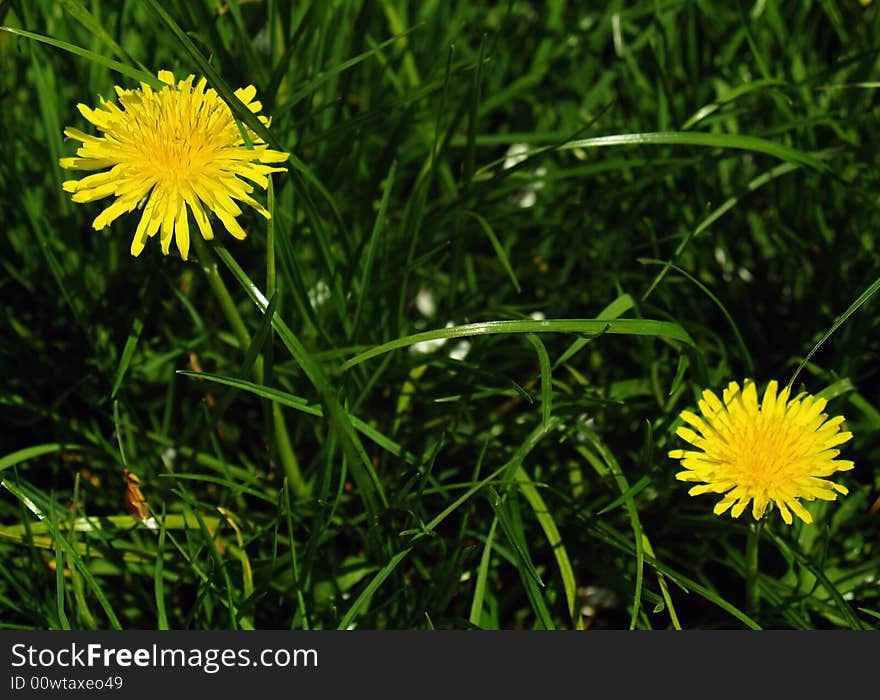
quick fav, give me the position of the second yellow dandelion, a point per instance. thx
(778, 450)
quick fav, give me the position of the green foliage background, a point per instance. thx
(698, 199)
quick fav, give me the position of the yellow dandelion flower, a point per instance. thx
(168, 150)
(780, 450)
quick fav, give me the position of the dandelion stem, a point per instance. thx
(752, 594)
(299, 487)
(209, 266)
(286, 454)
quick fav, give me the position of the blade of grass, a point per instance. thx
(838, 322)
(302, 610)
(734, 94)
(81, 566)
(28, 453)
(605, 464)
(134, 335)
(554, 539)
(378, 227)
(81, 14)
(503, 473)
(362, 467)
(497, 247)
(842, 606)
(158, 580)
(474, 97)
(546, 377)
(366, 594)
(747, 356)
(616, 308)
(135, 73)
(661, 329)
(625, 544)
(301, 404)
(59, 582)
(476, 613)
(690, 138)
(512, 527)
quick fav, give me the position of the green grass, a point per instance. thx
(439, 390)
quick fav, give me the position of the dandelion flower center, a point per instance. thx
(777, 451)
(174, 152)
